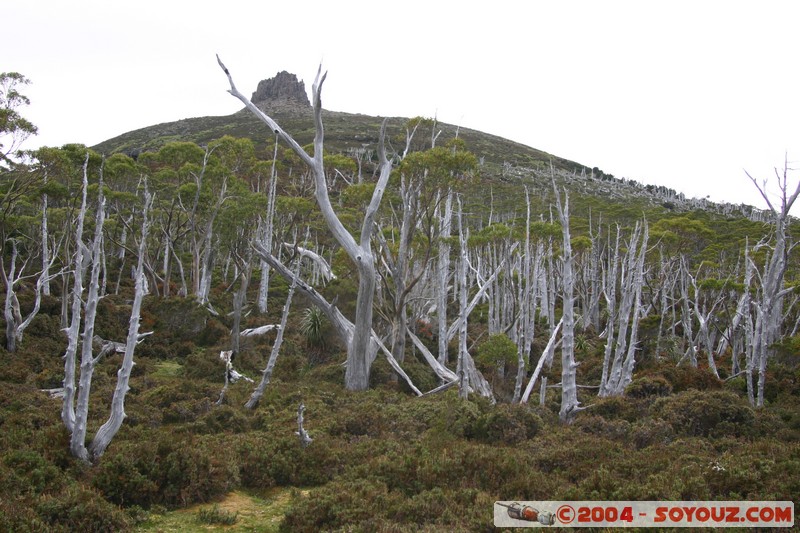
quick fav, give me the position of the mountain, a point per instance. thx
(284, 98)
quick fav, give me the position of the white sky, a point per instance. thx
(686, 94)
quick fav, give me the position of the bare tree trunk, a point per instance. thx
(621, 371)
(526, 298)
(15, 323)
(703, 319)
(442, 276)
(769, 305)
(268, 230)
(686, 315)
(610, 292)
(68, 405)
(461, 367)
(273, 357)
(239, 299)
(110, 428)
(88, 362)
(547, 353)
(359, 356)
(46, 261)
(569, 388)
(343, 327)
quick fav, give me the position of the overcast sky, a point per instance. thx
(687, 94)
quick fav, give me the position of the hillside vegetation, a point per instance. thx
(547, 332)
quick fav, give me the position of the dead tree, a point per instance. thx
(266, 226)
(443, 275)
(768, 304)
(359, 356)
(117, 415)
(79, 265)
(619, 374)
(527, 298)
(16, 324)
(569, 386)
(704, 315)
(255, 397)
(343, 327)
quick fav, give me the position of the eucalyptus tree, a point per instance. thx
(176, 171)
(14, 128)
(238, 228)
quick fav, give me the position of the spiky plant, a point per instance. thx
(313, 327)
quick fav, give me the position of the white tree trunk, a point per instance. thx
(630, 312)
(443, 275)
(268, 230)
(359, 356)
(255, 397)
(569, 387)
(110, 428)
(769, 304)
(88, 362)
(68, 405)
(46, 261)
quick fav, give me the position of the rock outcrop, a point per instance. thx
(282, 91)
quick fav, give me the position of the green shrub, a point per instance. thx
(648, 386)
(266, 461)
(506, 424)
(31, 474)
(616, 407)
(169, 470)
(650, 432)
(212, 333)
(706, 413)
(80, 509)
(687, 377)
(496, 352)
(223, 419)
(339, 504)
(204, 365)
(609, 429)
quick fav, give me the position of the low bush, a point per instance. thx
(80, 509)
(648, 387)
(706, 413)
(506, 424)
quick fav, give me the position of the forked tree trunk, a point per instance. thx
(88, 361)
(68, 405)
(359, 356)
(620, 373)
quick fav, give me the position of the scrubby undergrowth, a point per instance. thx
(381, 460)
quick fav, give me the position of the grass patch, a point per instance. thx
(216, 516)
(167, 369)
(260, 513)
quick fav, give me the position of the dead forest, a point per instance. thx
(293, 315)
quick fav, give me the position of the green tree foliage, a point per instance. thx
(14, 128)
(497, 351)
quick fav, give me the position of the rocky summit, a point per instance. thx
(283, 90)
